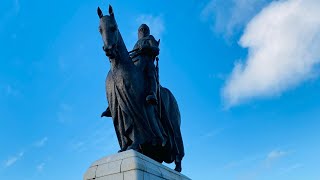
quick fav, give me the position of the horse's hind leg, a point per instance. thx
(178, 164)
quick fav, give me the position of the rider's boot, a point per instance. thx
(152, 85)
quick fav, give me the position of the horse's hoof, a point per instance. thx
(135, 147)
(178, 169)
(121, 150)
(178, 165)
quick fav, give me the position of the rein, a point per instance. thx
(116, 45)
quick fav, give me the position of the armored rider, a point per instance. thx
(143, 55)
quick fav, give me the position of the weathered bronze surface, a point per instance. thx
(146, 116)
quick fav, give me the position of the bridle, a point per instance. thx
(113, 49)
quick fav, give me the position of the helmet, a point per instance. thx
(143, 31)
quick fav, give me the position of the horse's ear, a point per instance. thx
(111, 11)
(100, 14)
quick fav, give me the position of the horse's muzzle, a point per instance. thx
(109, 50)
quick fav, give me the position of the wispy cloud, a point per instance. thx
(10, 13)
(99, 138)
(213, 133)
(256, 166)
(155, 23)
(40, 167)
(65, 113)
(283, 41)
(11, 90)
(16, 6)
(252, 159)
(291, 168)
(63, 65)
(274, 155)
(41, 142)
(79, 146)
(228, 17)
(12, 160)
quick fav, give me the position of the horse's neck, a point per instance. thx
(123, 52)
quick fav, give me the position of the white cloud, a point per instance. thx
(275, 154)
(40, 167)
(283, 41)
(41, 142)
(12, 160)
(230, 16)
(155, 23)
(292, 168)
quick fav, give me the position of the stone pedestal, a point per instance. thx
(130, 165)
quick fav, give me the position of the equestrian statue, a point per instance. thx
(145, 115)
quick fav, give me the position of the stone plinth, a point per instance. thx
(130, 165)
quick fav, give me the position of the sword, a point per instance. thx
(158, 82)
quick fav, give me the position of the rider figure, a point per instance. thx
(144, 53)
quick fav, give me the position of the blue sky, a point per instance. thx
(245, 74)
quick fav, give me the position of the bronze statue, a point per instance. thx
(145, 51)
(141, 122)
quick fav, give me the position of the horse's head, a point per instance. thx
(109, 31)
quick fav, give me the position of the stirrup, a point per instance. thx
(152, 99)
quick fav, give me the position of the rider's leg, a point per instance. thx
(152, 83)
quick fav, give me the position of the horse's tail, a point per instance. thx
(171, 119)
(169, 106)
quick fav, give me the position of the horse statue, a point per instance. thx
(138, 125)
